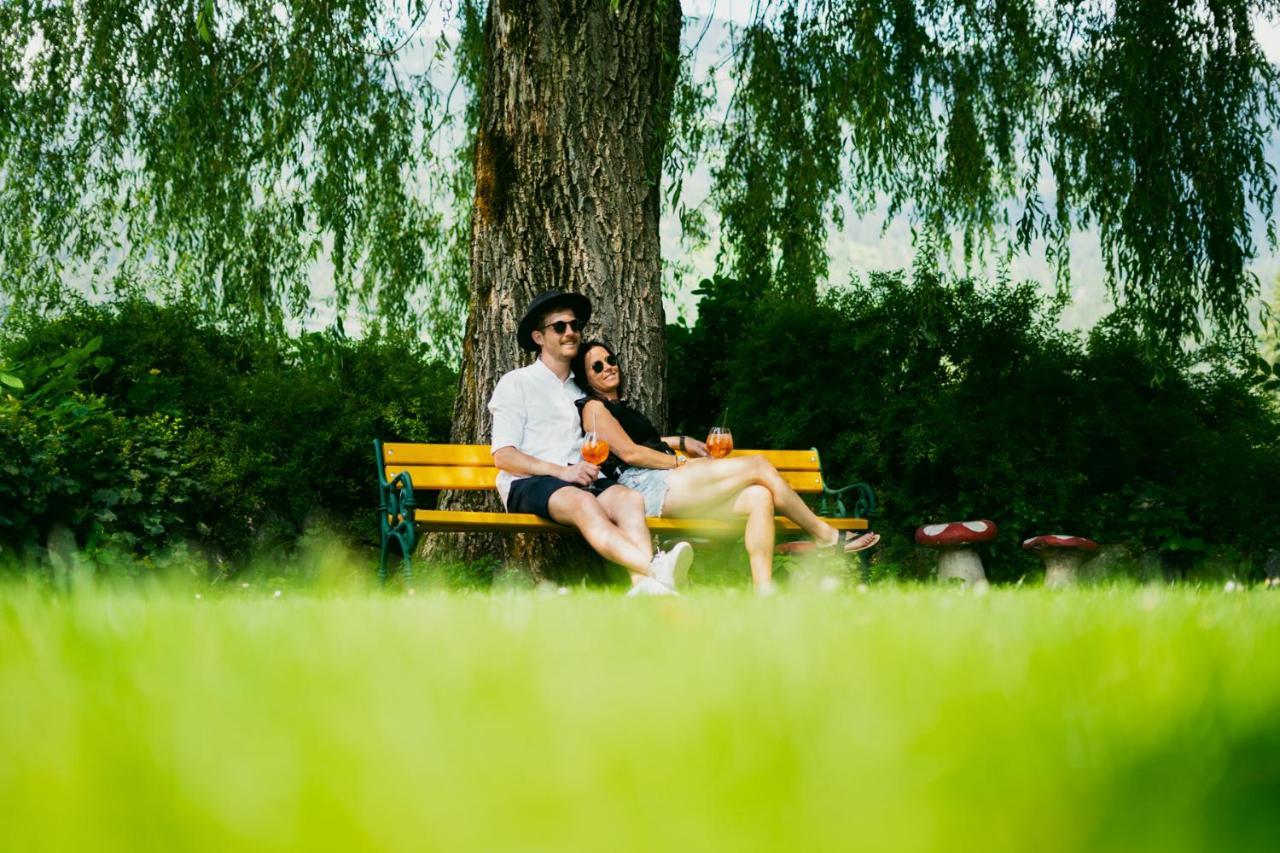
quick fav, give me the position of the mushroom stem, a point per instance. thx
(1062, 567)
(960, 562)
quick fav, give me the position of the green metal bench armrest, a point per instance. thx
(395, 514)
(833, 503)
(397, 497)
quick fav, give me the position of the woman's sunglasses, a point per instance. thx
(598, 366)
(561, 325)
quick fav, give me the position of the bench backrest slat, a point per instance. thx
(432, 477)
(786, 460)
(470, 455)
(477, 455)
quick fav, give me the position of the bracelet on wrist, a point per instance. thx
(683, 449)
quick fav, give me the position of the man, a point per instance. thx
(537, 443)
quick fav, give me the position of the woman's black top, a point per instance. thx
(637, 427)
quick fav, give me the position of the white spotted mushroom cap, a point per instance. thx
(956, 533)
(1054, 540)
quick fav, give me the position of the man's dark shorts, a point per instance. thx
(531, 494)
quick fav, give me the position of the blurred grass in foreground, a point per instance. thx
(900, 718)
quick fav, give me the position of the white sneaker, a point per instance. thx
(648, 586)
(672, 567)
(681, 557)
(659, 568)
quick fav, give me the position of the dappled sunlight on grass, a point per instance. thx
(900, 717)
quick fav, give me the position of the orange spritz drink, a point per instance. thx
(720, 442)
(594, 449)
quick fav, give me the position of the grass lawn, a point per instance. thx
(905, 718)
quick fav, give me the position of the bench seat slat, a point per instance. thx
(515, 522)
(476, 478)
(478, 455)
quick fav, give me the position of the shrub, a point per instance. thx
(171, 428)
(957, 400)
(72, 464)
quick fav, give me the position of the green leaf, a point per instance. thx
(107, 497)
(11, 380)
(203, 19)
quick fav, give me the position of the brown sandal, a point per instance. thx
(848, 543)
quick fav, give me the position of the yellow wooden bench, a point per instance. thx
(404, 469)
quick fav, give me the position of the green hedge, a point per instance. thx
(140, 426)
(959, 401)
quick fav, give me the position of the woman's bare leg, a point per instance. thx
(756, 503)
(693, 489)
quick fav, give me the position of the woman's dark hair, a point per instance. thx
(580, 368)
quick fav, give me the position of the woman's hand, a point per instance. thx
(694, 448)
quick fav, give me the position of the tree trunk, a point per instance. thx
(575, 102)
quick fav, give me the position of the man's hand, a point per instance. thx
(694, 448)
(582, 474)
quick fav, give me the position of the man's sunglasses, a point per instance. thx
(561, 325)
(598, 366)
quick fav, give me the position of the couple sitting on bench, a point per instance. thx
(538, 413)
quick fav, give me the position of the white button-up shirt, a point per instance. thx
(533, 411)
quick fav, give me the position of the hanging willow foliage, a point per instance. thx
(221, 149)
(1147, 119)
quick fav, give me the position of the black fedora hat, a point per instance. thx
(543, 303)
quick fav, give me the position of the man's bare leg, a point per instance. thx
(582, 510)
(625, 508)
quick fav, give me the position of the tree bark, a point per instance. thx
(575, 103)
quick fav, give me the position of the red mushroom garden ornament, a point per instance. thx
(1062, 557)
(955, 541)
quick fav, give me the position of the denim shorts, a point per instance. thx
(651, 483)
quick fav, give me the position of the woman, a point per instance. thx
(674, 486)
